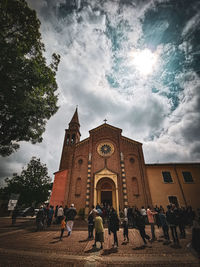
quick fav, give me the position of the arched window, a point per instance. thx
(73, 139)
(68, 138)
(135, 186)
(78, 187)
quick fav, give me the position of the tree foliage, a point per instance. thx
(33, 184)
(27, 84)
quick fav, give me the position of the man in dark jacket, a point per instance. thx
(140, 224)
(172, 219)
(70, 215)
(113, 225)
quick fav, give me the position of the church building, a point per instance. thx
(109, 168)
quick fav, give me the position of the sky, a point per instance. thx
(133, 62)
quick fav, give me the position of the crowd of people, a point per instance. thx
(46, 215)
(171, 220)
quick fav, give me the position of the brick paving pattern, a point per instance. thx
(26, 247)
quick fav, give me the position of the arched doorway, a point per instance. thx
(106, 192)
(106, 189)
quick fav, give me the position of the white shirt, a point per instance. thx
(143, 212)
(60, 212)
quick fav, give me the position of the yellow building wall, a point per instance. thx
(186, 193)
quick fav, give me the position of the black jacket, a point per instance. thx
(113, 222)
(70, 214)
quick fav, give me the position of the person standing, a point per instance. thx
(90, 225)
(14, 215)
(150, 217)
(165, 227)
(63, 225)
(113, 225)
(172, 219)
(60, 214)
(50, 216)
(70, 215)
(99, 230)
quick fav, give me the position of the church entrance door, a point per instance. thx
(106, 198)
(106, 192)
(106, 189)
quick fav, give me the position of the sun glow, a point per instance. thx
(144, 61)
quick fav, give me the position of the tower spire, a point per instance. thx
(75, 117)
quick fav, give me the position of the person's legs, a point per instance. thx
(142, 234)
(176, 235)
(61, 233)
(153, 231)
(69, 226)
(115, 238)
(173, 233)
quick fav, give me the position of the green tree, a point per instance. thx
(33, 184)
(27, 84)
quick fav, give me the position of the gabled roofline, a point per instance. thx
(83, 141)
(105, 168)
(130, 140)
(105, 125)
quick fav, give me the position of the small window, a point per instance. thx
(78, 187)
(73, 139)
(135, 186)
(187, 176)
(131, 160)
(167, 177)
(173, 200)
(80, 161)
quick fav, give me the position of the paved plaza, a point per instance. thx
(23, 246)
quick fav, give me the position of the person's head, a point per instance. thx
(95, 213)
(72, 205)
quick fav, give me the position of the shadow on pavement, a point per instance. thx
(84, 240)
(124, 243)
(109, 251)
(92, 250)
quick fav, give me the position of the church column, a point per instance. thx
(123, 180)
(88, 190)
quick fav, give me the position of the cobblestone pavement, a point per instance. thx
(25, 247)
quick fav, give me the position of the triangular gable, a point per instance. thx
(105, 172)
(105, 125)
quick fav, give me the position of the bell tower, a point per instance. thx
(72, 137)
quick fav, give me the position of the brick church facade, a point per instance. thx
(108, 167)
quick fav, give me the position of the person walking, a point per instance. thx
(60, 214)
(99, 230)
(150, 217)
(63, 225)
(113, 226)
(172, 219)
(90, 225)
(125, 229)
(140, 224)
(71, 213)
